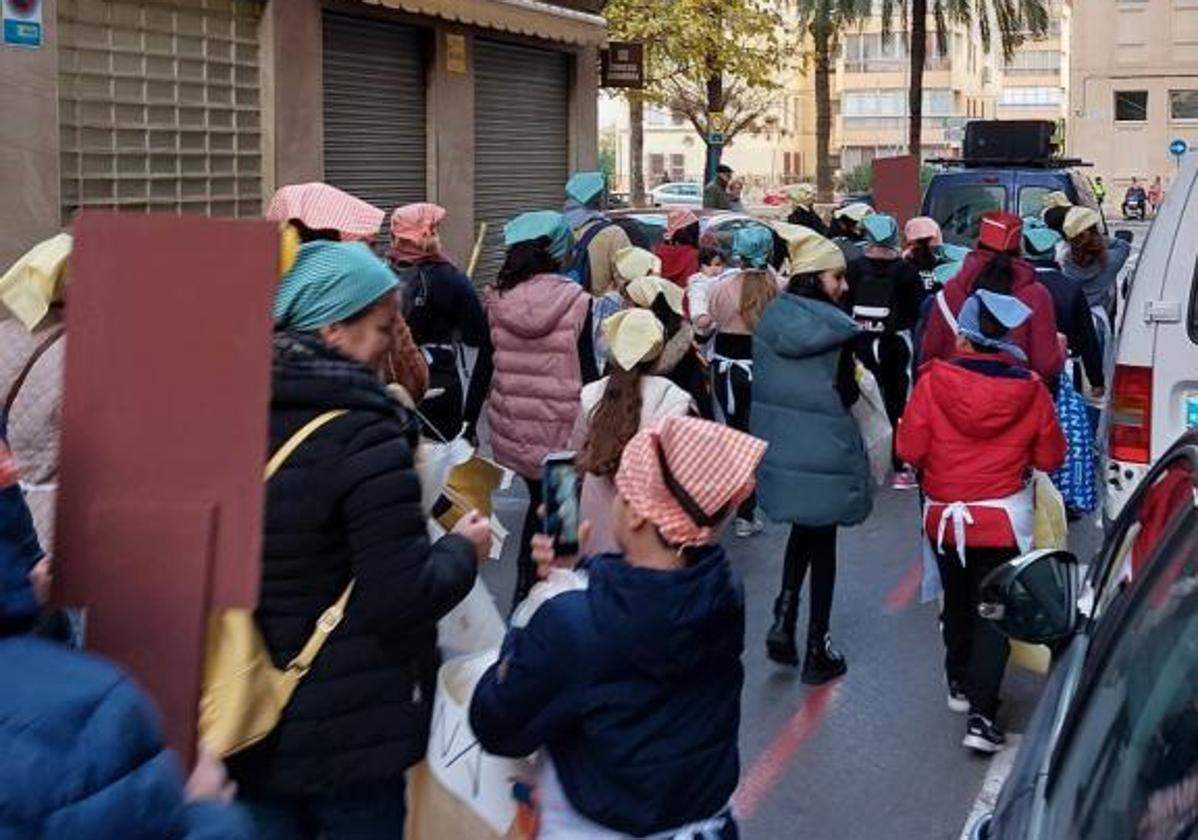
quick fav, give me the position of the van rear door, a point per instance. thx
(957, 201)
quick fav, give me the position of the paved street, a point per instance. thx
(879, 754)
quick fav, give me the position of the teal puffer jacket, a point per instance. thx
(815, 471)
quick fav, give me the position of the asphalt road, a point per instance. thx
(878, 755)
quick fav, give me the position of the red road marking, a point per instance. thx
(757, 784)
(906, 589)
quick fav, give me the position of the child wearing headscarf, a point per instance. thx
(679, 250)
(735, 305)
(597, 239)
(885, 293)
(976, 425)
(660, 625)
(320, 212)
(681, 360)
(802, 197)
(630, 398)
(444, 313)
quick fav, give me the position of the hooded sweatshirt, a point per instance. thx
(815, 471)
(536, 332)
(1098, 280)
(633, 684)
(975, 426)
(1037, 338)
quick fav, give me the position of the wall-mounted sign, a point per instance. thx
(455, 53)
(23, 23)
(622, 66)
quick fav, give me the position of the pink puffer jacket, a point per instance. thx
(538, 379)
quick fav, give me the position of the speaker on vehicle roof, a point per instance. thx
(1009, 140)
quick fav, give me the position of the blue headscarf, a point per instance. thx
(329, 282)
(753, 245)
(881, 229)
(1008, 311)
(541, 223)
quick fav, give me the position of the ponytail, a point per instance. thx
(758, 289)
(614, 422)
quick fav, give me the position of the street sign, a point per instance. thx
(622, 66)
(716, 138)
(1178, 147)
(23, 23)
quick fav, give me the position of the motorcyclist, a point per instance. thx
(1135, 201)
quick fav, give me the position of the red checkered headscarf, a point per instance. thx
(687, 475)
(414, 232)
(322, 207)
(679, 220)
(1001, 232)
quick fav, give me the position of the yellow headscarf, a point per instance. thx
(633, 336)
(645, 290)
(35, 280)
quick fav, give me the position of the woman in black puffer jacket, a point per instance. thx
(346, 505)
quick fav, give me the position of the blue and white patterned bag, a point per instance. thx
(1076, 479)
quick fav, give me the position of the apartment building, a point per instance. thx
(960, 83)
(1133, 85)
(1035, 81)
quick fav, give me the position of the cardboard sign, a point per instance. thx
(896, 187)
(164, 430)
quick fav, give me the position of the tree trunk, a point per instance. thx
(822, 37)
(636, 148)
(715, 105)
(919, 55)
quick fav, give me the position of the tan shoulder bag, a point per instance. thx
(244, 694)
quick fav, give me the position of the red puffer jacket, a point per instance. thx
(974, 427)
(678, 262)
(1037, 338)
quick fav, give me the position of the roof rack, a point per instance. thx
(1026, 163)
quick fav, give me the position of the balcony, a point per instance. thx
(893, 65)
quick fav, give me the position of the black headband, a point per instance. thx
(685, 500)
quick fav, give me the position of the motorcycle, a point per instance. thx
(1135, 206)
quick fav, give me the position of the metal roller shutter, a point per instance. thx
(159, 106)
(375, 140)
(521, 142)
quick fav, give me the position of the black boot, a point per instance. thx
(823, 662)
(780, 641)
(526, 578)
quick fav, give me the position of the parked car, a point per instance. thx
(1154, 390)
(960, 195)
(1111, 751)
(681, 194)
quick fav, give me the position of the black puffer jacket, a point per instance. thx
(347, 505)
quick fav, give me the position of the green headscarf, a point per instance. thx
(541, 223)
(329, 282)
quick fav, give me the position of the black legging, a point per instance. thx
(734, 378)
(532, 524)
(814, 547)
(888, 358)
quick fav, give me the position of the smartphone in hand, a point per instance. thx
(561, 487)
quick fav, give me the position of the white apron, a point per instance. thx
(723, 366)
(1020, 508)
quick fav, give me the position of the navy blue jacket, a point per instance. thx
(1074, 320)
(633, 685)
(83, 755)
(19, 552)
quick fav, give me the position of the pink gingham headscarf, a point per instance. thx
(414, 232)
(687, 476)
(679, 220)
(923, 227)
(320, 207)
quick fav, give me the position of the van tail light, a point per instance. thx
(1131, 414)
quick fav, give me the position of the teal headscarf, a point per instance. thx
(1039, 240)
(547, 223)
(329, 282)
(881, 229)
(753, 245)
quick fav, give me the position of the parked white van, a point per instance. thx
(1154, 394)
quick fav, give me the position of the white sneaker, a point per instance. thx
(749, 527)
(957, 701)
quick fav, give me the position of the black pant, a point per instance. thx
(888, 358)
(814, 547)
(444, 412)
(532, 524)
(738, 416)
(975, 652)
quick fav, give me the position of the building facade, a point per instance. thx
(1035, 81)
(960, 83)
(205, 106)
(1134, 86)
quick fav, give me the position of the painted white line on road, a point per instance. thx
(1000, 768)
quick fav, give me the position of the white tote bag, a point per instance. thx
(876, 432)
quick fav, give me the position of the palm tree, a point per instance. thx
(824, 21)
(1016, 20)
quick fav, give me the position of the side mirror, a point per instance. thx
(1033, 598)
(1126, 235)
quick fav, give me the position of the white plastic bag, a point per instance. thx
(876, 432)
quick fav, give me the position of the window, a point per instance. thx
(1183, 104)
(656, 117)
(1034, 62)
(1131, 106)
(677, 167)
(1031, 201)
(1128, 766)
(1030, 97)
(959, 210)
(657, 164)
